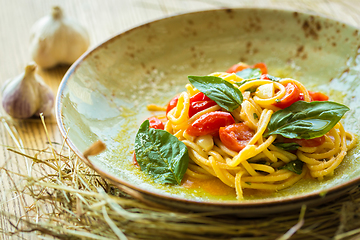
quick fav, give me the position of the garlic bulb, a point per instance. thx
(56, 39)
(26, 95)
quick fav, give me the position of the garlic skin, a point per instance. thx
(56, 39)
(26, 95)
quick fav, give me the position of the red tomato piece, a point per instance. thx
(236, 136)
(261, 66)
(301, 96)
(315, 142)
(199, 97)
(264, 77)
(241, 66)
(134, 161)
(173, 102)
(198, 106)
(209, 123)
(318, 96)
(292, 95)
(156, 123)
(199, 102)
(237, 67)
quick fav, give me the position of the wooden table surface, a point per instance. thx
(103, 19)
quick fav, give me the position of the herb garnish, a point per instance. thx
(221, 91)
(287, 146)
(294, 166)
(160, 154)
(303, 120)
(249, 73)
(272, 78)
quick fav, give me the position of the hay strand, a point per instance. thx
(83, 205)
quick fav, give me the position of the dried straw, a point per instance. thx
(86, 206)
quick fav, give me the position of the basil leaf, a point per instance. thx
(303, 120)
(287, 146)
(245, 81)
(222, 92)
(256, 77)
(160, 154)
(249, 73)
(294, 166)
(272, 78)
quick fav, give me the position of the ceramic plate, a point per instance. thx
(105, 93)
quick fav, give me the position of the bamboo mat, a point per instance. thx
(103, 19)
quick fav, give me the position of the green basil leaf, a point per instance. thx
(160, 154)
(303, 120)
(244, 81)
(294, 166)
(222, 92)
(272, 78)
(249, 73)
(287, 146)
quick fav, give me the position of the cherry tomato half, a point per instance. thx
(209, 123)
(236, 136)
(301, 97)
(156, 123)
(261, 66)
(199, 97)
(198, 106)
(134, 161)
(315, 142)
(318, 96)
(173, 102)
(292, 95)
(241, 66)
(264, 77)
(199, 102)
(237, 67)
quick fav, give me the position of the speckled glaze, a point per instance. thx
(105, 93)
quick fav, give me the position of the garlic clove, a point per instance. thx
(26, 95)
(56, 39)
(265, 91)
(206, 142)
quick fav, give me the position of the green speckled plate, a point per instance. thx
(105, 93)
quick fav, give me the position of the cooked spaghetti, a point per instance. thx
(234, 146)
